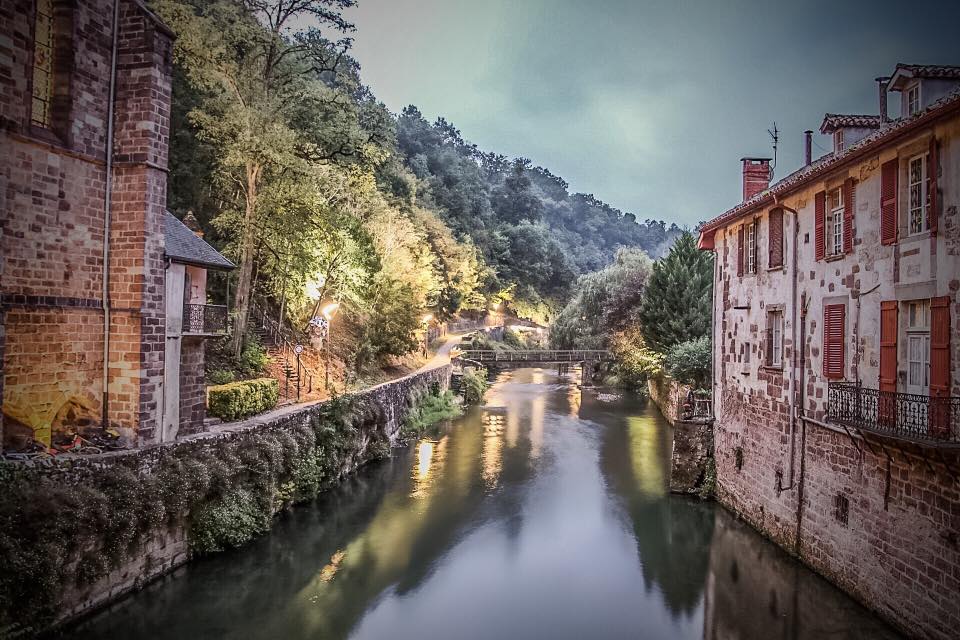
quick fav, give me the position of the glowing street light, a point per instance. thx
(329, 310)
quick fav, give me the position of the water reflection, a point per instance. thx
(543, 515)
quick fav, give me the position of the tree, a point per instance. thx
(676, 305)
(514, 201)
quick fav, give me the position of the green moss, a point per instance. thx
(428, 411)
(709, 482)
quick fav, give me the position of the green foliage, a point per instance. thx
(708, 484)
(633, 361)
(429, 410)
(238, 400)
(690, 362)
(253, 358)
(676, 307)
(474, 385)
(512, 339)
(233, 520)
(221, 376)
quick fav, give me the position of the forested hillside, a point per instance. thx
(319, 193)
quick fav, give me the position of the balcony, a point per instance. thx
(204, 320)
(903, 416)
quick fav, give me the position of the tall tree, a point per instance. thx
(676, 306)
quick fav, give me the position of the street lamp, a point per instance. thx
(328, 312)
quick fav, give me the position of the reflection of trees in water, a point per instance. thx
(758, 592)
(673, 534)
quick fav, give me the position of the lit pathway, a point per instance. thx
(442, 356)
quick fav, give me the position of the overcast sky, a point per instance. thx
(646, 104)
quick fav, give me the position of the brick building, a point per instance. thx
(837, 353)
(83, 220)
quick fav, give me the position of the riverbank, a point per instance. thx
(81, 531)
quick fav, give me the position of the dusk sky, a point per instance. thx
(647, 105)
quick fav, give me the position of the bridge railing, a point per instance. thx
(540, 355)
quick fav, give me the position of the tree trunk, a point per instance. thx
(241, 306)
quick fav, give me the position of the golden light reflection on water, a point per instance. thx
(492, 454)
(574, 398)
(428, 464)
(646, 456)
(331, 568)
(537, 408)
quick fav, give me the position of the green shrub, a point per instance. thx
(253, 358)
(689, 362)
(230, 522)
(431, 409)
(512, 339)
(242, 399)
(474, 385)
(221, 376)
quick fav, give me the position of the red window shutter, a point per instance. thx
(756, 245)
(849, 194)
(775, 236)
(888, 201)
(932, 170)
(887, 407)
(939, 412)
(834, 316)
(740, 249)
(820, 210)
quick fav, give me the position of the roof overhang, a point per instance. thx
(869, 145)
(900, 79)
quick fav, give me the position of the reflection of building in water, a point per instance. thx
(492, 454)
(756, 591)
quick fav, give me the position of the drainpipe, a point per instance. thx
(107, 205)
(856, 332)
(792, 393)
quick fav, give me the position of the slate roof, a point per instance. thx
(834, 121)
(183, 245)
(893, 130)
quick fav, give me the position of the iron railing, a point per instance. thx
(204, 319)
(899, 415)
(541, 356)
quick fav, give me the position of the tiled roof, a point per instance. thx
(931, 70)
(834, 121)
(183, 245)
(949, 103)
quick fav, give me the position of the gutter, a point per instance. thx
(793, 337)
(107, 206)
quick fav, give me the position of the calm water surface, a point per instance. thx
(544, 514)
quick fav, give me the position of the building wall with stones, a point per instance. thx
(53, 180)
(878, 517)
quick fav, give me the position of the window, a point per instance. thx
(913, 100)
(775, 238)
(834, 222)
(841, 509)
(752, 247)
(40, 114)
(918, 181)
(834, 328)
(918, 347)
(838, 140)
(775, 338)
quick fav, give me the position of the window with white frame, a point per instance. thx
(918, 347)
(913, 100)
(752, 247)
(834, 222)
(838, 140)
(775, 338)
(917, 181)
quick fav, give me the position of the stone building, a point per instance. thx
(84, 316)
(837, 353)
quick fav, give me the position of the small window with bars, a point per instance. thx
(918, 186)
(43, 41)
(841, 509)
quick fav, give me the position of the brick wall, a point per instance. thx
(193, 388)
(51, 233)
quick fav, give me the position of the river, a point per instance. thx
(544, 514)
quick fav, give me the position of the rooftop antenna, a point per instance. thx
(775, 136)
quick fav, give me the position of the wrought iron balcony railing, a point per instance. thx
(898, 415)
(204, 319)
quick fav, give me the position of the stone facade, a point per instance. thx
(877, 515)
(53, 183)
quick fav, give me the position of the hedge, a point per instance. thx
(238, 400)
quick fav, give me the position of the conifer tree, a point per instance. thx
(676, 305)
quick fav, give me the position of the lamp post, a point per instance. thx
(426, 333)
(328, 312)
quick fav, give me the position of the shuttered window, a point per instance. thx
(887, 406)
(933, 169)
(849, 201)
(888, 202)
(775, 236)
(740, 250)
(834, 323)
(820, 213)
(940, 366)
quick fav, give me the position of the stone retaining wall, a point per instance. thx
(375, 421)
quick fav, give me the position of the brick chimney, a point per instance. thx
(756, 176)
(190, 222)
